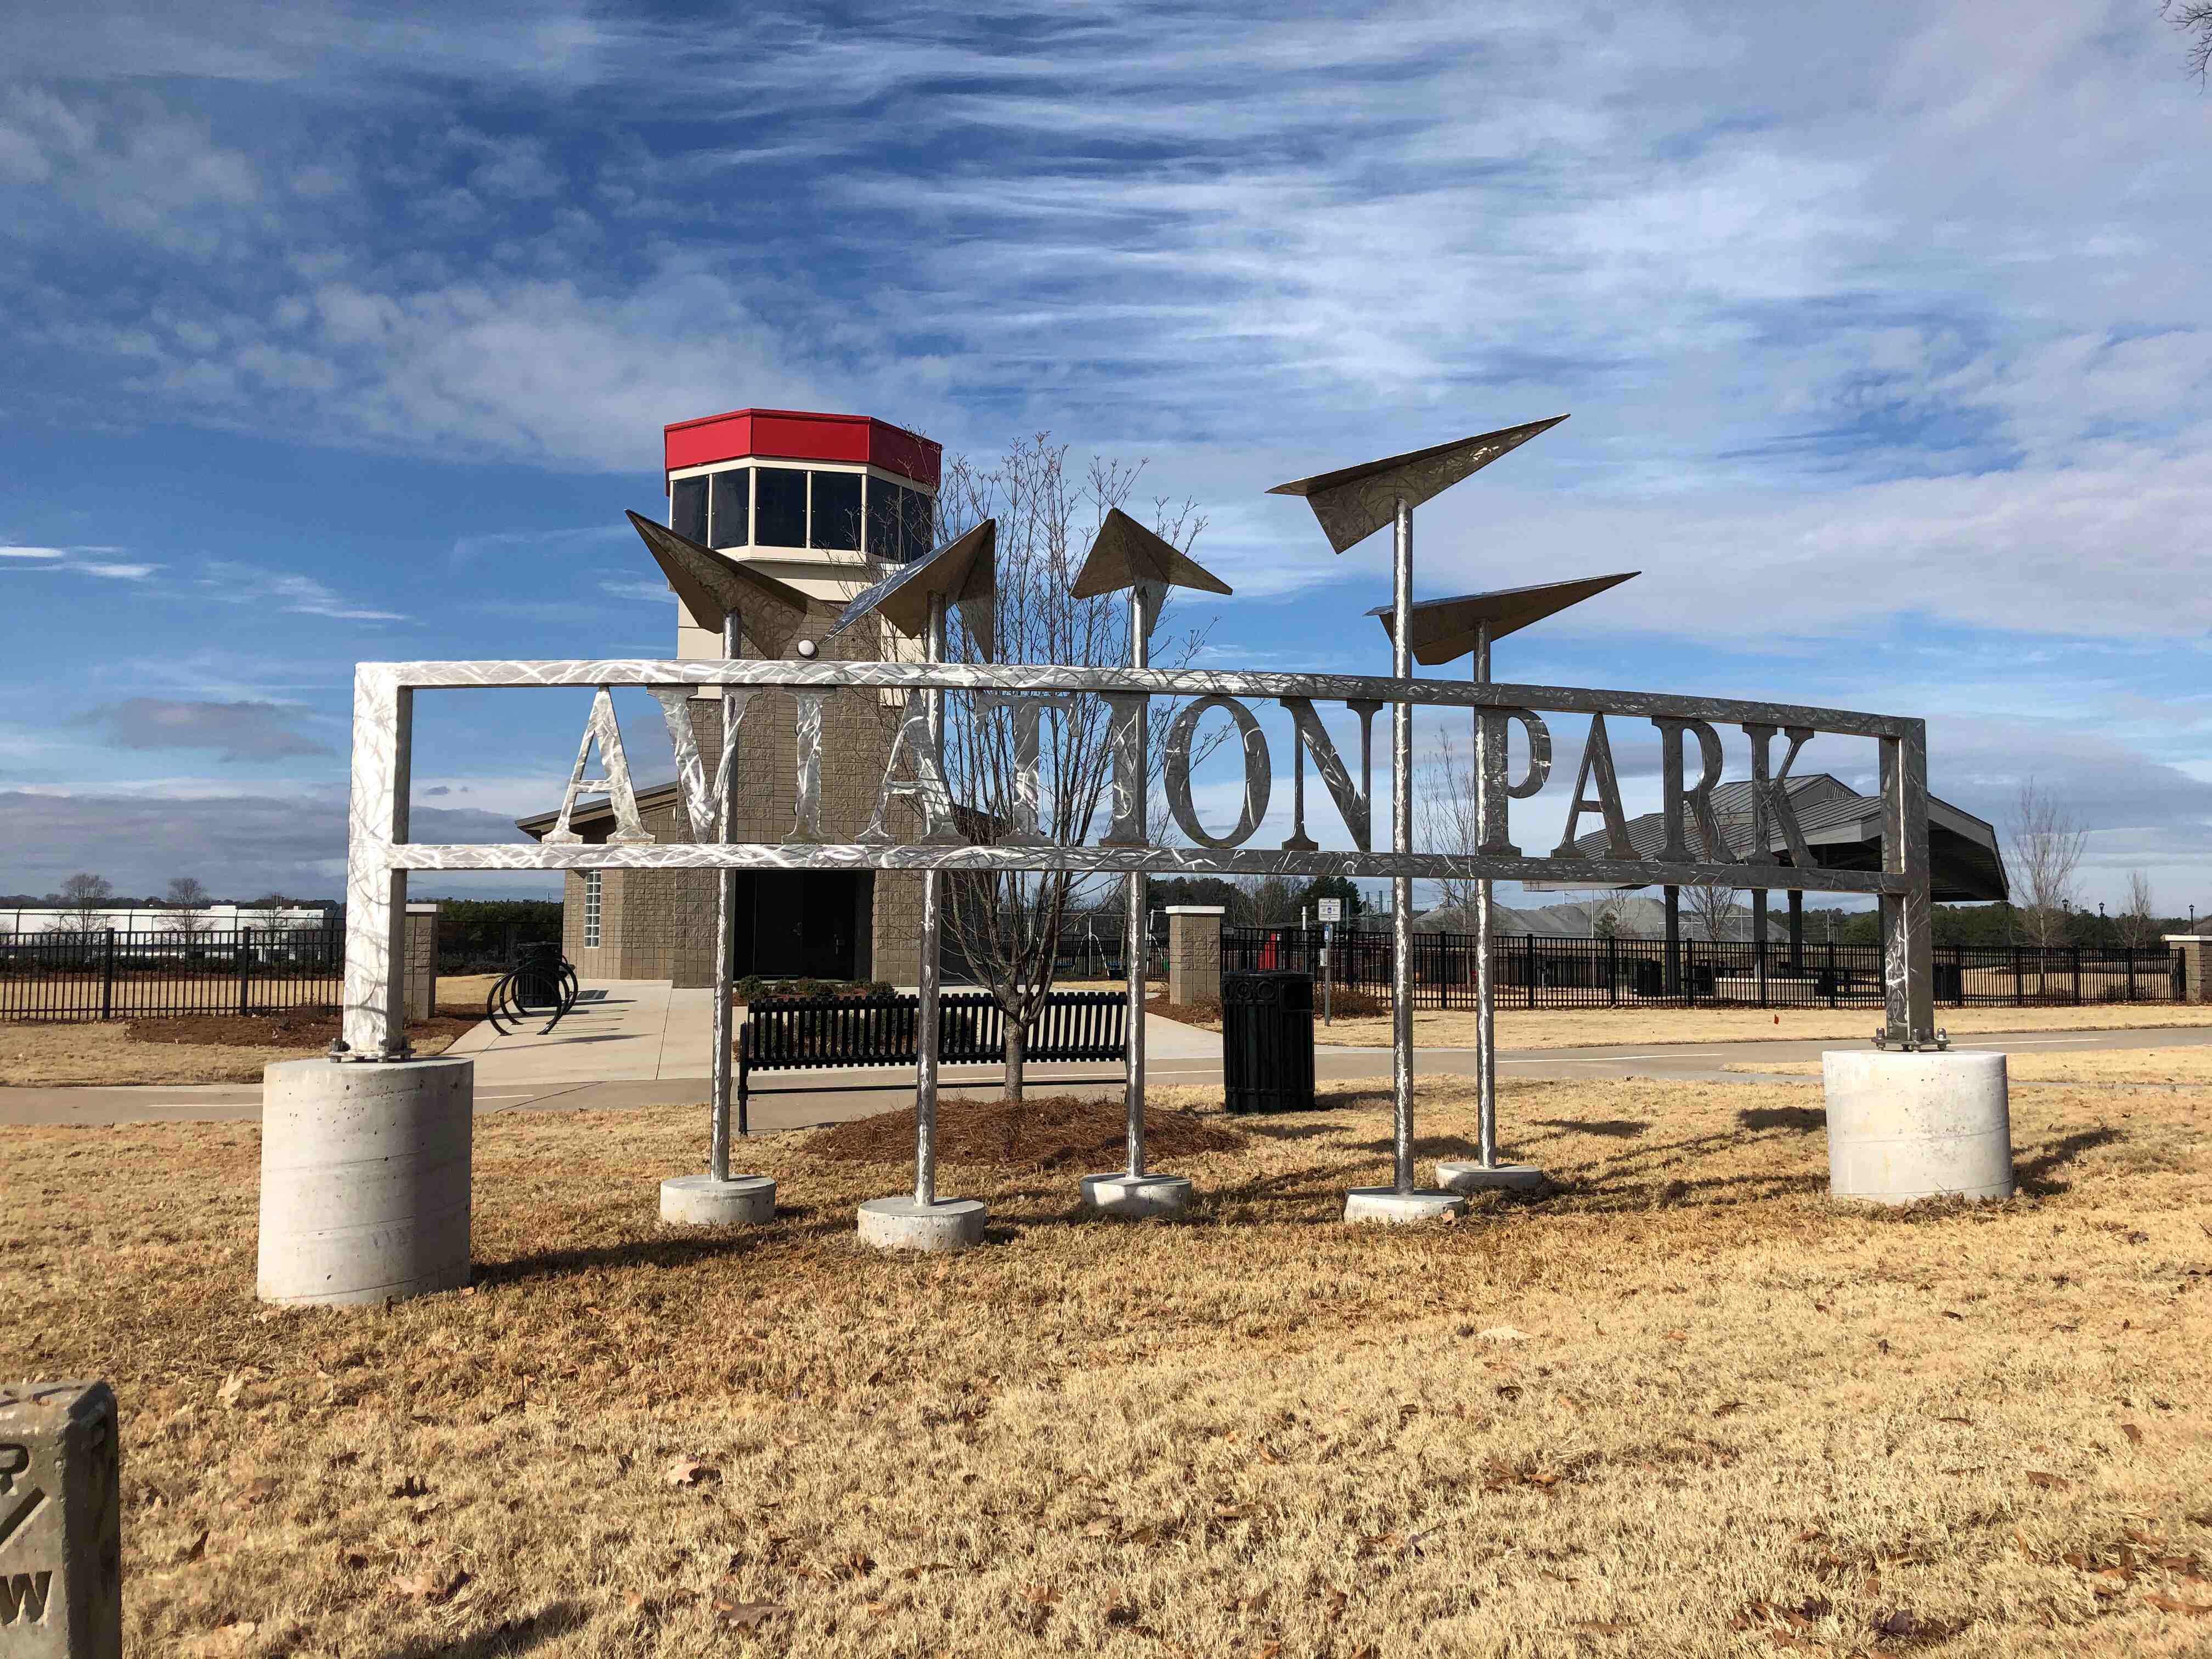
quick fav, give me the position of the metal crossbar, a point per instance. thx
(843, 1033)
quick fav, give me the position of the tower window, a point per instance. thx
(592, 907)
(884, 520)
(733, 508)
(920, 523)
(687, 508)
(779, 507)
(835, 518)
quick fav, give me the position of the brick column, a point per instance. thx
(421, 967)
(1194, 953)
(2196, 964)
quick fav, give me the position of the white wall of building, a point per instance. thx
(153, 919)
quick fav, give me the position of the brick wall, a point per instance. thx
(660, 924)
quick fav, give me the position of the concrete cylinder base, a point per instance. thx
(365, 1171)
(698, 1201)
(1166, 1196)
(900, 1224)
(1489, 1177)
(1925, 1124)
(1388, 1204)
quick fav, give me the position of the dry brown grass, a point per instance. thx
(2190, 1065)
(110, 1053)
(1724, 1405)
(1575, 1028)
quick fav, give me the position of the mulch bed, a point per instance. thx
(295, 1028)
(1047, 1132)
(1184, 1013)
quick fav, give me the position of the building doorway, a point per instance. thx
(805, 924)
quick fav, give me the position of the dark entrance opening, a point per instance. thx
(805, 924)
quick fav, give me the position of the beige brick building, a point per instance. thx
(828, 503)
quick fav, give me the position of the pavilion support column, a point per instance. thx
(1674, 941)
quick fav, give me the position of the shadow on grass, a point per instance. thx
(1614, 1128)
(2035, 1174)
(508, 1636)
(1800, 1120)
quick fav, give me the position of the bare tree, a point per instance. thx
(2138, 918)
(1007, 924)
(1269, 901)
(1713, 908)
(2047, 844)
(1447, 810)
(1606, 906)
(86, 897)
(187, 897)
(2193, 18)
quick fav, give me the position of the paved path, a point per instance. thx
(636, 1043)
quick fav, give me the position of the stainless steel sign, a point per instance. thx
(1690, 730)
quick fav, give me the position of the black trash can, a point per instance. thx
(538, 976)
(1267, 1041)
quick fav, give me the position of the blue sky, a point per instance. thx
(341, 333)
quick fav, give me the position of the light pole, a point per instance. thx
(1126, 555)
(913, 599)
(736, 600)
(1351, 504)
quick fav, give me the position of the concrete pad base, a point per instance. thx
(1166, 1196)
(1489, 1177)
(901, 1224)
(1388, 1204)
(698, 1201)
(1906, 1125)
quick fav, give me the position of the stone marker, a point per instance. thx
(61, 1522)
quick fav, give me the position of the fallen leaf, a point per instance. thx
(1728, 1409)
(1598, 1627)
(749, 1615)
(2047, 1481)
(233, 1386)
(1503, 1334)
(689, 1472)
(1962, 1422)
(1903, 1622)
(2167, 1604)
(2133, 1433)
(1039, 1595)
(412, 1487)
(1509, 1390)
(196, 1549)
(430, 1584)
(1947, 1314)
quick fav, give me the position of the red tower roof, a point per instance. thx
(793, 435)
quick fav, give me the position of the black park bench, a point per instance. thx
(792, 1034)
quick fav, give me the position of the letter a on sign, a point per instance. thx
(601, 729)
(1597, 761)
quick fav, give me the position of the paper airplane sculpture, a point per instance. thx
(1444, 630)
(713, 586)
(1354, 502)
(965, 570)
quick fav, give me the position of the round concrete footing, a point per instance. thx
(365, 1170)
(698, 1201)
(1166, 1196)
(1489, 1177)
(1388, 1204)
(1924, 1123)
(901, 1224)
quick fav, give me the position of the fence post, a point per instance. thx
(107, 977)
(244, 963)
(1611, 971)
(1759, 970)
(1528, 957)
(2131, 973)
(1832, 965)
(2077, 976)
(2019, 984)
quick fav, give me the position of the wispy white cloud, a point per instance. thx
(287, 591)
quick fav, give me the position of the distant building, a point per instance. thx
(828, 503)
(153, 919)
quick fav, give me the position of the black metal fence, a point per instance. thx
(1532, 970)
(107, 974)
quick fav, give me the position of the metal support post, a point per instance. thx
(1401, 839)
(1673, 981)
(1906, 968)
(107, 977)
(925, 978)
(1133, 917)
(725, 915)
(245, 969)
(1486, 986)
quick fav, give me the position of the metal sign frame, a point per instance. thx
(381, 853)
